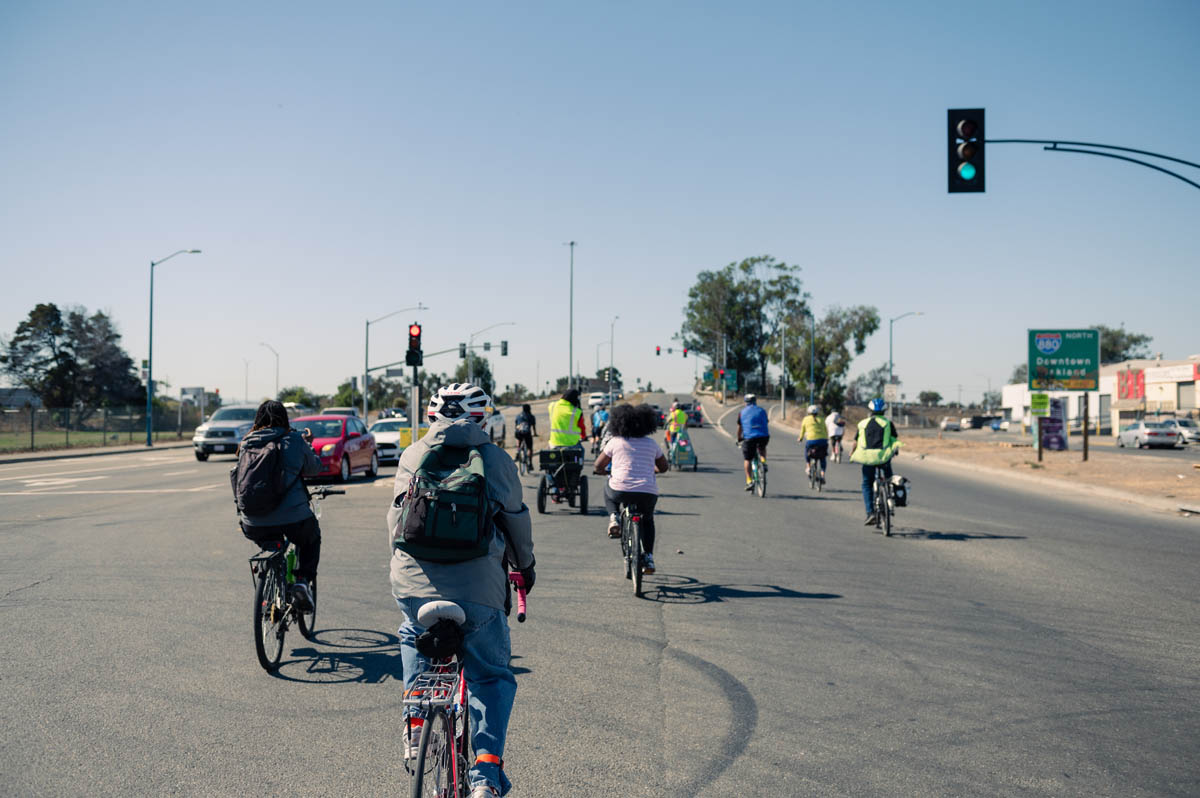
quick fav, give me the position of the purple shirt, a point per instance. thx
(633, 464)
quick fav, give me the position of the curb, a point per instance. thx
(66, 454)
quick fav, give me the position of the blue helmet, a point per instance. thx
(877, 405)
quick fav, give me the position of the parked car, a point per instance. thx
(223, 431)
(950, 423)
(966, 423)
(493, 424)
(387, 437)
(340, 411)
(391, 412)
(1147, 433)
(1188, 429)
(342, 443)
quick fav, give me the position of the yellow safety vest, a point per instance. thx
(564, 423)
(677, 420)
(888, 445)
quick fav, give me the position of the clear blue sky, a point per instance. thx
(339, 162)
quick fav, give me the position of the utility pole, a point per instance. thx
(571, 323)
(783, 371)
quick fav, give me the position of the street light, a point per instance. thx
(367, 350)
(150, 353)
(571, 321)
(611, 327)
(268, 346)
(471, 342)
(246, 383)
(891, 322)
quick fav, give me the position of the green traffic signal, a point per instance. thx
(965, 142)
(966, 171)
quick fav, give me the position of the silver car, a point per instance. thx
(223, 431)
(1147, 433)
(1188, 429)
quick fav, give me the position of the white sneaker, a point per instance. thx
(484, 791)
(614, 526)
(412, 745)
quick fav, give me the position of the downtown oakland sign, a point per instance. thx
(1064, 360)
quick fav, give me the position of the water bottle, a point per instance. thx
(291, 566)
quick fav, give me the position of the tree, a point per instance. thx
(602, 374)
(1118, 344)
(481, 369)
(991, 400)
(300, 395)
(742, 306)
(1020, 374)
(929, 398)
(75, 361)
(866, 387)
(840, 337)
(347, 396)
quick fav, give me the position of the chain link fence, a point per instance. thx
(28, 429)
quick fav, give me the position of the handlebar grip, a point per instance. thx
(519, 582)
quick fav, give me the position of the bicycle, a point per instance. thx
(882, 502)
(814, 474)
(275, 609)
(438, 697)
(837, 449)
(524, 458)
(631, 546)
(597, 434)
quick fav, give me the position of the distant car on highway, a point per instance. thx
(343, 445)
(1188, 429)
(597, 399)
(223, 431)
(950, 423)
(1147, 433)
(493, 424)
(340, 411)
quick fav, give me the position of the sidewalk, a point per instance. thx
(89, 451)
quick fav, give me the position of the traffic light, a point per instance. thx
(487, 346)
(965, 140)
(685, 351)
(658, 351)
(462, 350)
(414, 358)
(504, 349)
(722, 373)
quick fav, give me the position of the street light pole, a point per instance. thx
(471, 345)
(891, 322)
(246, 382)
(150, 347)
(611, 328)
(571, 323)
(366, 354)
(268, 346)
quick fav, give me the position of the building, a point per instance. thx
(1128, 391)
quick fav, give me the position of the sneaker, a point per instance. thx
(871, 520)
(614, 526)
(412, 743)
(749, 484)
(484, 791)
(648, 563)
(302, 596)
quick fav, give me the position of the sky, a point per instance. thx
(338, 162)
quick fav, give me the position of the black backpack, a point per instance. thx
(259, 479)
(445, 515)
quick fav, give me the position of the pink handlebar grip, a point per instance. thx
(519, 581)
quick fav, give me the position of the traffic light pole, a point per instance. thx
(1053, 145)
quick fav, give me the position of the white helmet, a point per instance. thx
(675, 405)
(459, 400)
(749, 398)
(812, 410)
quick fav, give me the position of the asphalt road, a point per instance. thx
(1003, 643)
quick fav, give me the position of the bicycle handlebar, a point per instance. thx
(324, 491)
(519, 582)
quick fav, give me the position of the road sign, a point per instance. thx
(1064, 360)
(394, 373)
(1039, 404)
(730, 379)
(891, 392)
(708, 375)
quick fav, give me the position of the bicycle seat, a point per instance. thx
(433, 611)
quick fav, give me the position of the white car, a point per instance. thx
(597, 399)
(494, 425)
(1189, 431)
(223, 431)
(950, 423)
(387, 438)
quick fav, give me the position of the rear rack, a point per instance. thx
(435, 687)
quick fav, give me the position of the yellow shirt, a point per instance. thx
(813, 429)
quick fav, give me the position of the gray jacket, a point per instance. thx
(298, 459)
(481, 580)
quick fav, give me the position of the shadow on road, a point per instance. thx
(929, 534)
(677, 589)
(822, 496)
(366, 656)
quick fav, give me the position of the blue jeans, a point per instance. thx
(869, 481)
(491, 686)
(817, 450)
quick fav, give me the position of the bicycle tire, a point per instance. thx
(635, 545)
(625, 540)
(268, 636)
(432, 776)
(760, 481)
(521, 460)
(541, 495)
(583, 496)
(307, 621)
(886, 510)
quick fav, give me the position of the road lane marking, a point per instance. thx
(26, 476)
(49, 483)
(180, 473)
(103, 492)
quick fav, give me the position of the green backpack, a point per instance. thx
(444, 515)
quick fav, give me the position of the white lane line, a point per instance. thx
(48, 483)
(23, 477)
(103, 492)
(180, 473)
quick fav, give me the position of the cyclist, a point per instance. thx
(815, 438)
(635, 458)
(599, 419)
(566, 421)
(292, 518)
(835, 425)
(753, 433)
(676, 420)
(875, 447)
(479, 586)
(525, 428)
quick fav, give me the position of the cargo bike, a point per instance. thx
(562, 478)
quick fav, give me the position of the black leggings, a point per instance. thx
(642, 502)
(305, 534)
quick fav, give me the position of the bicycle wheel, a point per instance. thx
(521, 461)
(885, 510)
(635, 548)
(583, 495)
(308, 620)
(269, 609)
(433, 776)
(813, 475)
(541, 494)
(626, 537)
(760, 480)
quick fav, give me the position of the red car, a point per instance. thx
(343, 445)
